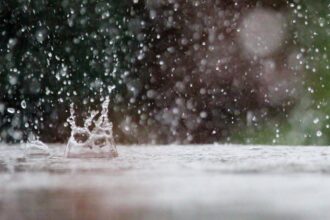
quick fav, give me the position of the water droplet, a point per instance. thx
(11, 110)
(203, 114)
(40, 36)
(23, 104)
(319, 133)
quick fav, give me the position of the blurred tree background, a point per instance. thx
(308, 122)
(176, 71)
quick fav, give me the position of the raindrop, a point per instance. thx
(11, 110)
(203, 114)
(40, 36)
(23, 104)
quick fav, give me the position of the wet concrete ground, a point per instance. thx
(168, 182)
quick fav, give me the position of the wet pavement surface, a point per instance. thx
(168, 182)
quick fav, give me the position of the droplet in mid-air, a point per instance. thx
(11, 110)
(23, 104)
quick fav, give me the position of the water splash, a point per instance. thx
(35, 147)
(95, 138)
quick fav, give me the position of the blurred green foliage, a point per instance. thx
(309, 121)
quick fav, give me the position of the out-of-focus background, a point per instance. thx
(176, 71)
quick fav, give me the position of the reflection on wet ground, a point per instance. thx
(168, 182)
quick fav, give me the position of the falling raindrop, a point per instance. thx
(11, 110)
(23, 104)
